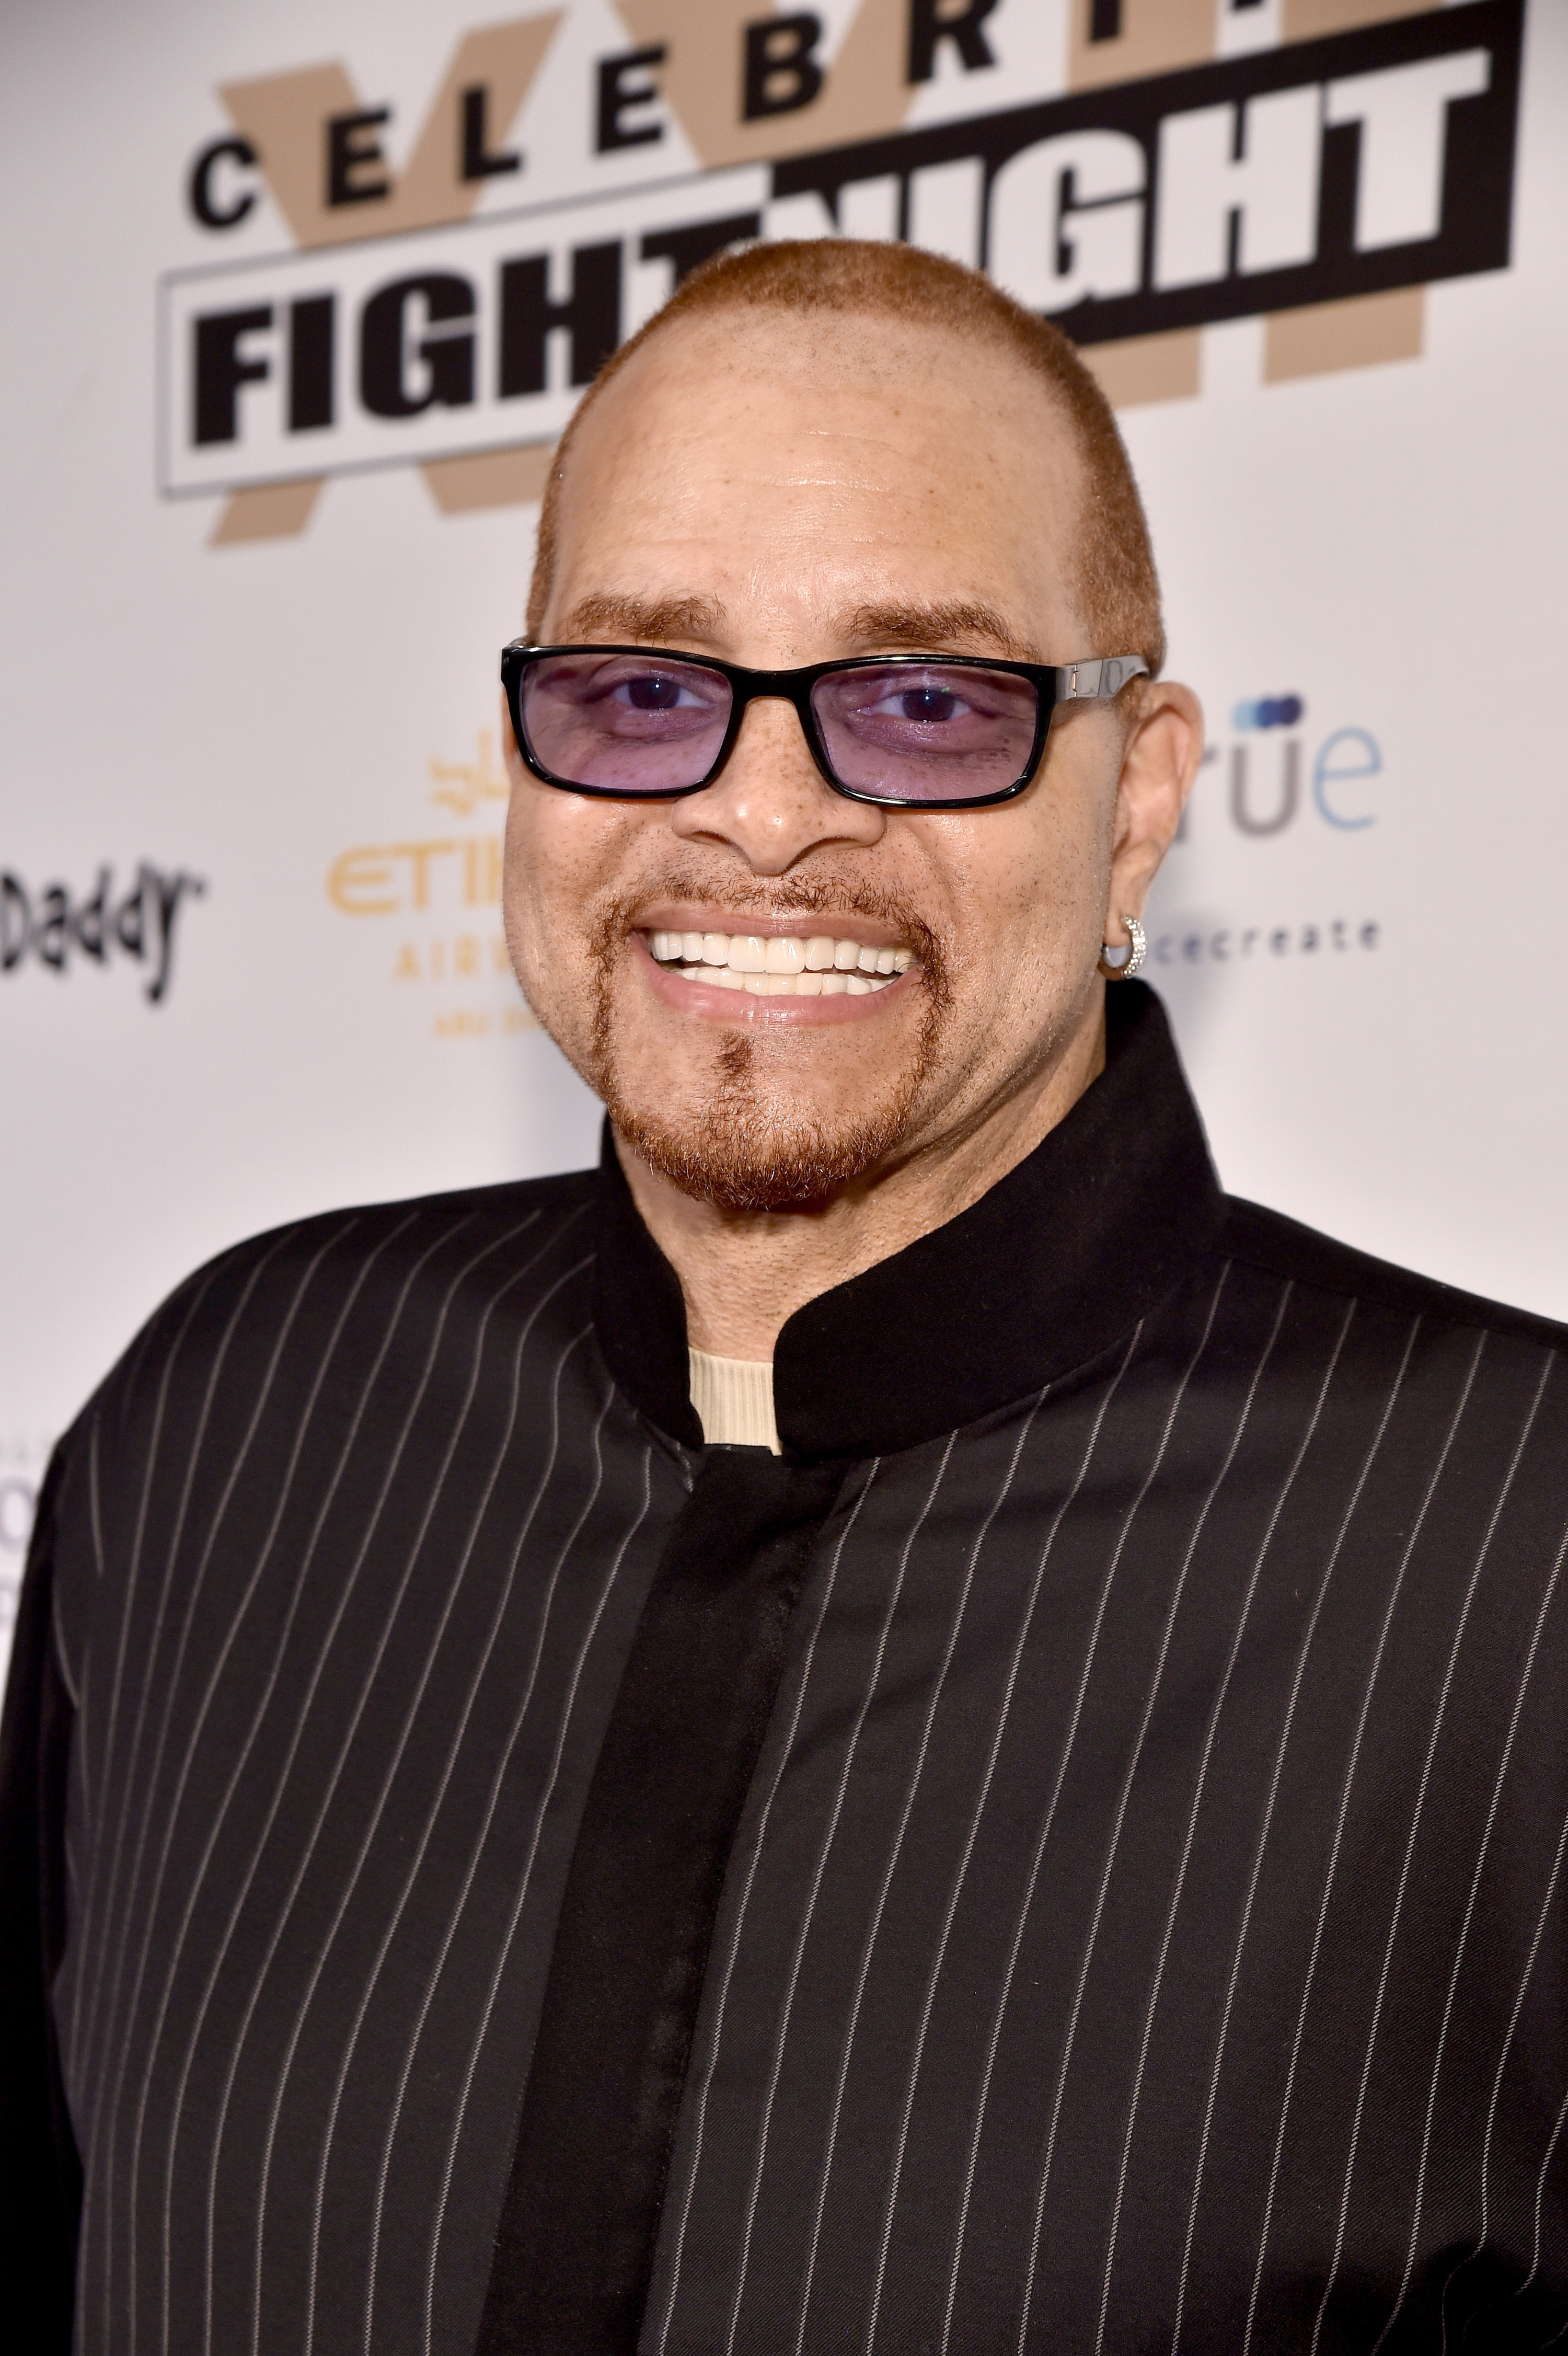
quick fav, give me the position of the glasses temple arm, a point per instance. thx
(1098, 680)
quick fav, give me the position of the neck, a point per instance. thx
(744, 1274)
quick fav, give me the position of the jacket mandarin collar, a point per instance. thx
(1051, 1268)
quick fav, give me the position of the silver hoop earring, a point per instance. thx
(1135, 956)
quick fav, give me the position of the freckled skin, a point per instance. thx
(790, 474)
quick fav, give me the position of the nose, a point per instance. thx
(770, 803)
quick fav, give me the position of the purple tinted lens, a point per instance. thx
(926, 732)
(624, 724)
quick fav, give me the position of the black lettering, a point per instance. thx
(385, 353)
(130, 919)
(220, 371)
(781, 71)
(310, 336)
(689, 248)
(51, 933)
(478, 162)
(619, 95)
(1370, 936)
(348, 154)
(930, 24)
(590, 314)
(167, 892)
(1105, 20)
(15, 921)
(1290, 791)
(198, 189)
(87, 922)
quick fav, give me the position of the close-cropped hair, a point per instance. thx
(1117, 586)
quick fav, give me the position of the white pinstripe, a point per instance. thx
(1049, 1816)
(1287, 1726)
(350, 1583)
(492, 1635)
(1480, 1854)
(1344, 1810)
(1121, 1803)
(438, 1633)
(1525, 1977)
(1025, 1427)
(710, 2062)
(525, 1879)
(109, 1907)
(286, 1488)
(105, 2146)
(821, 1866)
(1437, 1717)
(73, 2032)
(171, 1813)
(1539, 2198)
(328, 1496)
(416, 1544)
(1158, 1978)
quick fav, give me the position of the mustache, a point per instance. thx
(718, 887)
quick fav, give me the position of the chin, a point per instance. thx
(741, 1149)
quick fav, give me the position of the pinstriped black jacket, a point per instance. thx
(1068, 1860)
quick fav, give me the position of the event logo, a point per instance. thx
(434, 894)
(1298, 180)
(55, 927)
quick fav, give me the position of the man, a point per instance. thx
(886, 1725)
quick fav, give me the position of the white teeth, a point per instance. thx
(774, 965)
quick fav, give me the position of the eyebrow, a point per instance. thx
(643, 621)
(952, 625)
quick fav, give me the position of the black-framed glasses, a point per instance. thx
(912, 732)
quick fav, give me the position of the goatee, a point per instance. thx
(753, 1144)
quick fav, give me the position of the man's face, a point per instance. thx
(777, 491)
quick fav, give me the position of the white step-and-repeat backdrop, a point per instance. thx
(299, 293)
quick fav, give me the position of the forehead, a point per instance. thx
(813, 462)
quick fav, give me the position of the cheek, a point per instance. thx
(560, 851)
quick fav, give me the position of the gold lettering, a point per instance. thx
(419, 856)
(356, 873)
(482, 870)
(407, 966)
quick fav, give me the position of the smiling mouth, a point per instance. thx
(780, 965)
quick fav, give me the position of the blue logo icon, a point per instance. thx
(1268, 711)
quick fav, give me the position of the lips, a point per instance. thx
(778, 965)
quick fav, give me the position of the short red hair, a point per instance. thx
(1117, 587)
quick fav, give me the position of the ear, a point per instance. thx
(1159, 762)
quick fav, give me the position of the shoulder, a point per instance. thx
(356, 1278)
(332, 1333)
(1267, 1240)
